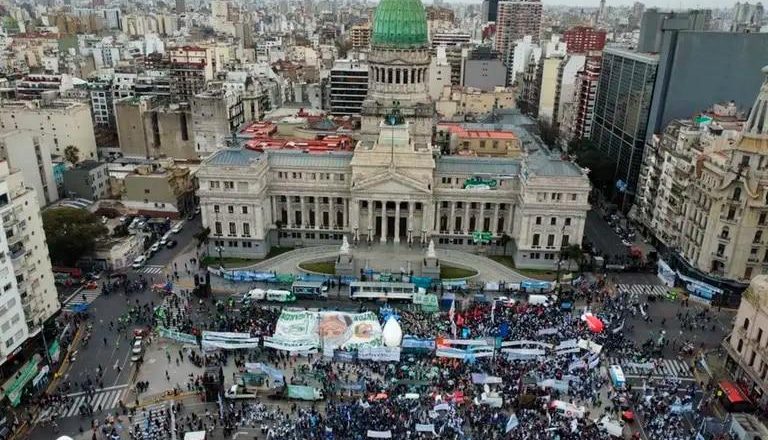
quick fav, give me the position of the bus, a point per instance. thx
(280, 295)
(309, 289)
(381, 290)
(617, 376)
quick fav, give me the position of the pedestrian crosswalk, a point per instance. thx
(643, 289)
(151, 269)
(658, 368)
(105, 399)
(77, 300)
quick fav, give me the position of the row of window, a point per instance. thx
(538, 255)
(234, 243)
(297, 175)
(535, 241)
(230, 209)
(555, 197)
(474, 205)
(553, 221)
(246, 230)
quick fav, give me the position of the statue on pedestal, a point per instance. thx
(344, 249)
(431, 250)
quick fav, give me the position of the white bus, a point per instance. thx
(309, 289)
(280, 295)
(381, 290)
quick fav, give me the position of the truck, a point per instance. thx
(239, 391)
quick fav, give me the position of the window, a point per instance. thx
(228, 184)
(740, 346)
(731, 213)
(759, 335)
(550, 240)
(146, 191)
(217, 228)
(553, 221)
(246, 230)
(573, 197)
(232, 228)
(538, 220)
(761, 219)
(745, 326)
(736, 194)
(247, 244)
(231, 209)
(245, 210)
(758, 237)
(567, 221)
(216, 209)
(535, 241)
(566, 240)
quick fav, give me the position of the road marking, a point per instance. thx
(125, 385)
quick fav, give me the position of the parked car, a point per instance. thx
(155, 247)
(139, 262)
(178, 227)
(171, 244)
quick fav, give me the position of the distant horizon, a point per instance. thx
(662, 4)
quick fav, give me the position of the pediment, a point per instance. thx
(391, 182)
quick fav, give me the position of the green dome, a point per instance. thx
(399, 24)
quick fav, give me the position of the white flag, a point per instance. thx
(512, 422)
(451, 314)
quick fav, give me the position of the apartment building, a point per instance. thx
(23, 151)
(57, 123)
(348, 87)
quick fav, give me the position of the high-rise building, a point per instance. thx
(484, 69)
(348, 87)
(360, 35)
(655, 22)
(747, 17)
(490, 10)
(621, 111)
(579, 124)
(450, 38)
(24, 152)
(188, 64)
(583, 39)
(517, 19)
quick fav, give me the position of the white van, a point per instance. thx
(139, 261)
(164, 240)
(539, 300)
(254, 295)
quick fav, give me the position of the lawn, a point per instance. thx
(539, 274)
(231, 262)
(319, 267)
(451, 272)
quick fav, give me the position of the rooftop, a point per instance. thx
(477, 165)
(234, 157)
(478, 132)
(301, 159)
(547, 166)
(89, 165)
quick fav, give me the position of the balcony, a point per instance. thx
(753, 259)
(719, 257)
(724, 238)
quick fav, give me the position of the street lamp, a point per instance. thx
(220, 249)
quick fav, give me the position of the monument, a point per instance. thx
(431, 267)
(345, 264)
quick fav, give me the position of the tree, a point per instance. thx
(572, 252)
(71, 233)
(505, 239)
(202, 236)
(548, 132)
(587, 155)
(72, 154)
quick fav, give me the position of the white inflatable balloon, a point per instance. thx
(64, 437)
(392, 334)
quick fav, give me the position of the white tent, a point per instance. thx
(196, 435)
(392, 334)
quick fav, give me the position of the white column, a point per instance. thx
(332, 215)
(510, 215)
(495, 221)
(303, 212)
(466, 218)
(397, 219)
(370, 219)
(452, 220)
(289, 208)
(411, 207)
(345, 213)
(480, 222)
(317, 212)
(273, 207)
(384, 221)
(436, 223)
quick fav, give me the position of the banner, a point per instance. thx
(353, 386)
(480, 378)
(512, 422)
(567, 351)
(559, 385)
(13, 392)
(526, 342)
(570, 343)
(465, 342)
(303, 392)
(468, 354)
(234, 344)
(522, 354)
(421, 427)
(305, 330)
(349, 330)
(547, 331)
(412, 342)
(379, 434)
(441, 407)
(177, 336)
(590, 346)
(296, 330)
(54, 350)
(379, 354)
(259, 368)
